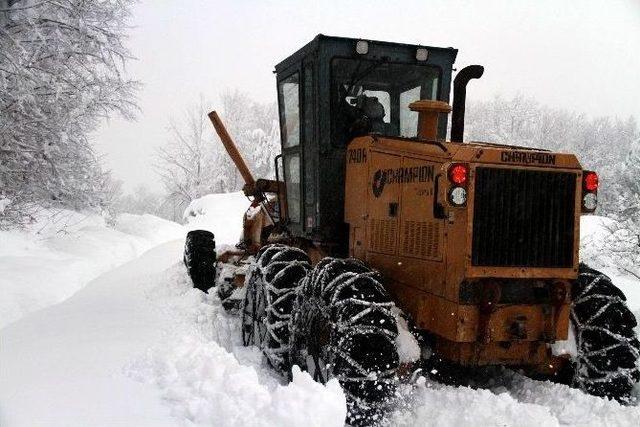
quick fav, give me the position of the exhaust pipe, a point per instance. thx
(459, 99)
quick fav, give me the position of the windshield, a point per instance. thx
(373, 96)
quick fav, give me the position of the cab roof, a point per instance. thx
(341, 42)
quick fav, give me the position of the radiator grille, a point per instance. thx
(421, 239)
(523, 218)
(383, 236)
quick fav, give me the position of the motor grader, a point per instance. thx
(374, 222)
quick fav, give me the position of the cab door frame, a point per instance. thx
(293, 214)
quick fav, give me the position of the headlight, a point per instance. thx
(458, 196)
(422, 54)
(362, 47)
(590, 201)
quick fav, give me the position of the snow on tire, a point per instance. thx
(608, 349)
(344, 328)
(269, 301)
(282, 276)
(200, 258)
(254, 329)
(254, 305)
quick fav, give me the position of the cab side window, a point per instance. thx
(289, 98)
(292, 181)
(289, 90)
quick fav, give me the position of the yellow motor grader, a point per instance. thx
(373, 219)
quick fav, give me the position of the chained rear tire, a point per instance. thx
(344, 328)
(200, 258)
(607, 345)
(269, 300)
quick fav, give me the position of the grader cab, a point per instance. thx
(373, 212)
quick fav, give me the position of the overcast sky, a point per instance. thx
(582, 55)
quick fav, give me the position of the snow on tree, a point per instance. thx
(629, 186)
(625, 201)
(186, 163)
(62, 70)
(255, 129)
(611, 147)
(601, 143)
(194, 162)
(143, 200)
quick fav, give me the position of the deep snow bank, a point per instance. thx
(63, 250)
(218, 213)
(206, 376)
(140, 347)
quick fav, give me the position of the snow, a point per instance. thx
(139, 346)
(439, 405)
(63, 250)
(4, 202)
(605, 243)
(220, 214)
(604, 250)
(569, 346)
(407, 345)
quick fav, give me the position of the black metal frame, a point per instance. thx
(322, 163)
(533, 212)
(298, 149)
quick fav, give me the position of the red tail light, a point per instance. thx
(458, 173)
(590, 181)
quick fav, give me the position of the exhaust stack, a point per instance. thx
(459, 99)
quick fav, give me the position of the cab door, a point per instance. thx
(290, 135)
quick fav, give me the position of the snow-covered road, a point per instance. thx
(139, 347)
(64, 250)
(63, 366)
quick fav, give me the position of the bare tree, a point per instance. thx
(254, 127)
(186, 163)
(194, 163)
(601, 143)
(62, 70)
(143, 200)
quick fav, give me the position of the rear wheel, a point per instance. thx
(344, 328)
(607, 346)
(200, 258)
(269, 301)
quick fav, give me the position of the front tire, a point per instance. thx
(344, 328)
(200, 258)
(608, 349)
